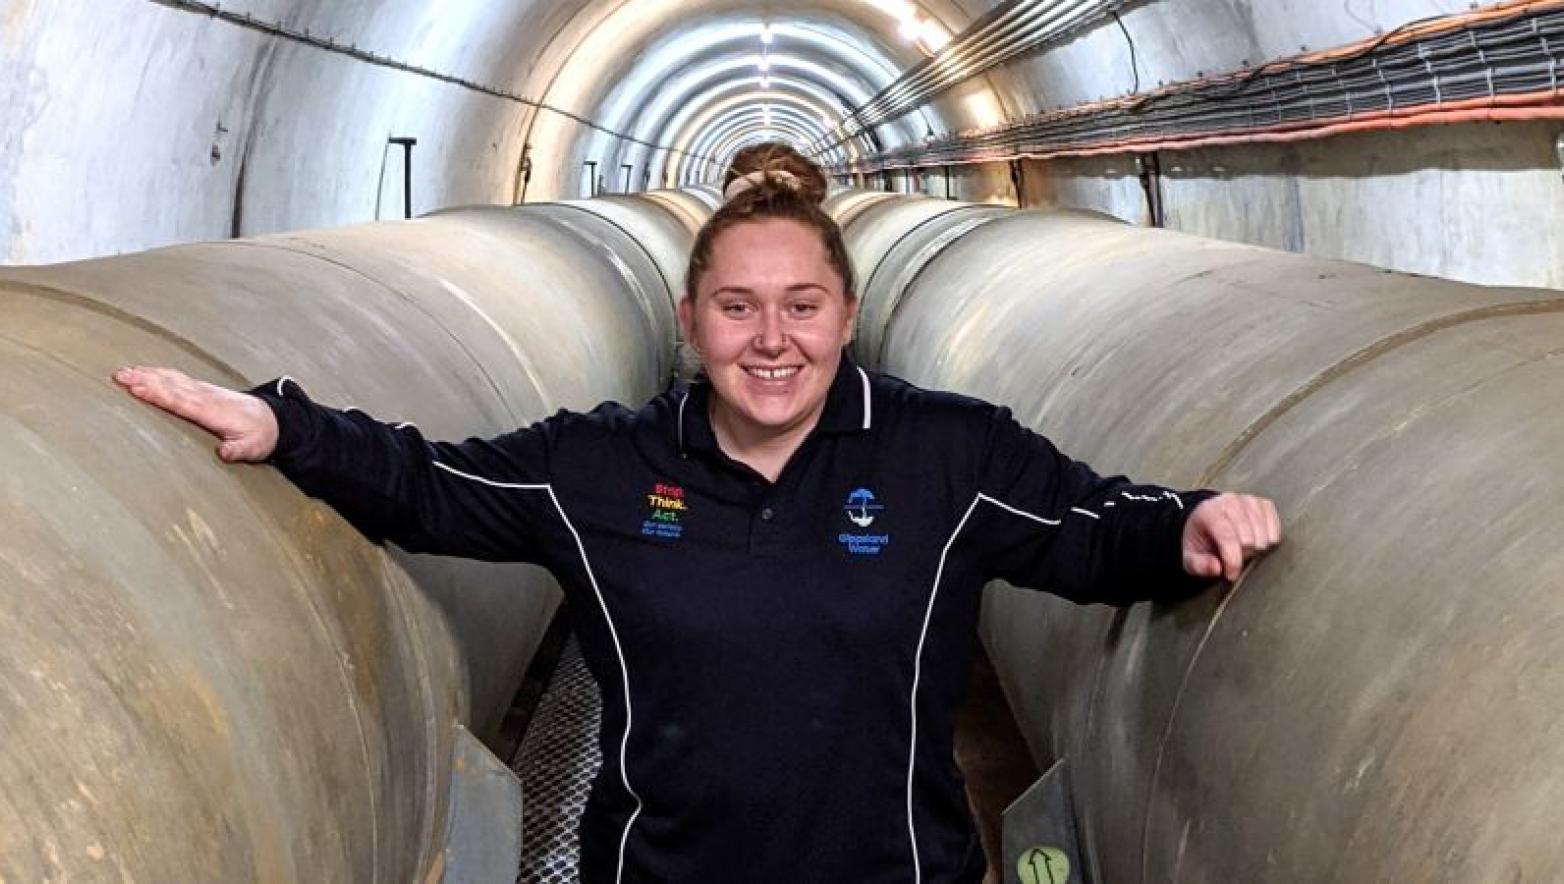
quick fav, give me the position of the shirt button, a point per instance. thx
(767, 514)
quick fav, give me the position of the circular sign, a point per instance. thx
(1044, 865)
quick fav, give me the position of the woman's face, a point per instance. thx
(769, 320)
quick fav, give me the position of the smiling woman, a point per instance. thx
(769, 323)
(774, 571)
(769, 306)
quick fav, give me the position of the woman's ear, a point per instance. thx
(687, 322)
(688, 359)
(852, 320)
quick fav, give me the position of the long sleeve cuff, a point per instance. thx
(1182, 584)
(295, 416)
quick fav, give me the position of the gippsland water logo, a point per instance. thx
(862, 508)
(668, 505)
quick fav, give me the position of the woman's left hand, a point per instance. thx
(1227, 530)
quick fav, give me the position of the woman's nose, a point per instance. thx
(770, 337)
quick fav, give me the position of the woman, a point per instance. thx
(774, 571)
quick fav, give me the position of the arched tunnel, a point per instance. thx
(1307, 250)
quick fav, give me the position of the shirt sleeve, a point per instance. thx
(487, 499)
(1066, 530)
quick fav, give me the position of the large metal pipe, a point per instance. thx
(890, 238)
(847, 204)
(203, 674)
(1376, 700)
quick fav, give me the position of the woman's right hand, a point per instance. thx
(244, 424)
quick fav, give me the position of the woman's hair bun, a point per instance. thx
(773, 167)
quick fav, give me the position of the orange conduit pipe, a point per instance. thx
(1532, 106)
(1386, 123)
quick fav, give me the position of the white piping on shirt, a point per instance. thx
(346, 409)
(624, 671)
(917, 665)
(1166, 495)
(683, 399)
(867, 404)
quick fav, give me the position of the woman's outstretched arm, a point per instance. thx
(1091, 538)
(483, 498)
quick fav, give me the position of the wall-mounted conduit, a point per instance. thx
(1498, 64)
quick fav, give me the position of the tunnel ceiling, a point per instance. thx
(135, 123)
(691, 82)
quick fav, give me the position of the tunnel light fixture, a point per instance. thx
(764, 64)
(933, 35)
(925, 33)
(897, 9)
(766, 34)
(914, 25)
(765, 81)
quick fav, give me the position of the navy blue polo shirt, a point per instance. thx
(781, 662)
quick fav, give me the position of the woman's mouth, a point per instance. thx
(781, 373)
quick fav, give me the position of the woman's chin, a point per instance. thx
(771, 416)
(768, 402)
(769, 406)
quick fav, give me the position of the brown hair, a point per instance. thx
(795, 196)
(774, 156)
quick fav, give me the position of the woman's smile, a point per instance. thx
(779, 373)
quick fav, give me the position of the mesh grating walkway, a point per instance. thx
(556, 762)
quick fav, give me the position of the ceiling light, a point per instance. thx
(764, 64)
(765, 81)
(766, 36)
(899, 9)
(933, 35)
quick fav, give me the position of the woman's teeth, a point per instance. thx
(773, 374)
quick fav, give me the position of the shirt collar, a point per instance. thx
(848, 408)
